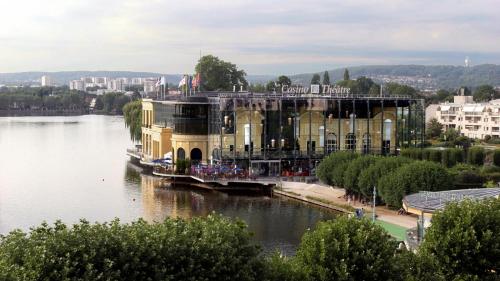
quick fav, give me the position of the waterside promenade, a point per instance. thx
(334, 197)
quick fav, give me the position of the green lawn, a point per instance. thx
(395, 231)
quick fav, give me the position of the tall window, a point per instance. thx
(331, 143)
(350, 141)
(181, 153)
(321, 136)
(386, 139)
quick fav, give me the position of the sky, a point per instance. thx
(259, 36)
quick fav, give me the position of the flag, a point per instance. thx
(158, 82)
(196, 80)
(163, 80)
(182, 82)
(190, 82)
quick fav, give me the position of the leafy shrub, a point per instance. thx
(347, 249)
(465, 240)
(369, 177)
(475, 156)
(412, 178)
(435, 155)
(352, 172)
(426, 154)
(211, 248)
(331, 169)
(496, 157)
(455, 155)
(466, 176)
(413, 153)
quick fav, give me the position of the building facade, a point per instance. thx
(277, 133)
(473, 120)
(46, 81)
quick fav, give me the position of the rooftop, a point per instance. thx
(432, 201)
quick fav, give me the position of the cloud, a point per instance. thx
(263, 36)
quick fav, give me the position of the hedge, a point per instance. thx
(475, 156)
(211, 248)
(412, 178)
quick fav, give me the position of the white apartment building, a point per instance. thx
(77, 85)
(474, 120)
(47, 81)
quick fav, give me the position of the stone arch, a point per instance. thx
(181, 153)
(196, 155)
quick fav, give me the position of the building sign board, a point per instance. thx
(329, 90)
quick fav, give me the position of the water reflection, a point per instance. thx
(276, 223)
(75, 167)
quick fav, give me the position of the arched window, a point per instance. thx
(216, 154)
(181, 153)
(331, 143)
(386, 138)
(350, 141)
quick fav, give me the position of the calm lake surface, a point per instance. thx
(70, 168)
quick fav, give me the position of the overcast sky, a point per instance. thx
(260, 36)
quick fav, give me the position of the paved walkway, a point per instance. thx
(336, 196)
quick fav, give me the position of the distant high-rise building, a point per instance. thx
(77, 85)
(47, 81)
(150, 85)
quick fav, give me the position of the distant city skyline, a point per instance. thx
(262, 37)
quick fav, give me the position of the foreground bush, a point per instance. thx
(464, 239)
(211, 248)
(412, 178)
(347, 249)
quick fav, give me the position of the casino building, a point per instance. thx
(277, 134)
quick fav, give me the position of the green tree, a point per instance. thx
(496, 157)
(444, 95)
(326, 78)
(465, 240)
(485, 93)
(414, 177)
(395, 89)
(271, 86)
(132, 113)
(316, 79)
(346, 75)
(368, 178)
(99, 103)
(347, 249)
(434, 128)
(217, 74)
(351, 174)
(211, 248)
(284, 80)
(331, 169)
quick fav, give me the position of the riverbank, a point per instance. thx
(333, 198)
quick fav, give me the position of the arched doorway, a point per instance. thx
(181, 153)
(196, 155)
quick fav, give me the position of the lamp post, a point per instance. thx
(374, 198)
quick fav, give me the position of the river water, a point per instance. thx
(75, 167)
